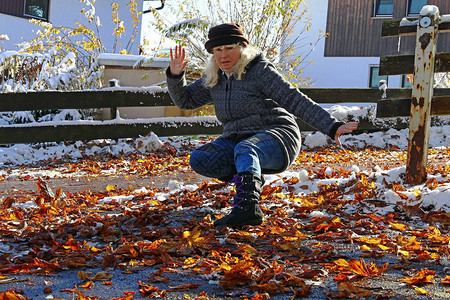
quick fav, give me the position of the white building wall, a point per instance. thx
(343, 72)
(67, 13)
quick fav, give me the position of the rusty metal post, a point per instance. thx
(422, 93)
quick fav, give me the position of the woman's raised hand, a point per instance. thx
(177, 62)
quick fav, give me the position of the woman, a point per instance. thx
(256, 107)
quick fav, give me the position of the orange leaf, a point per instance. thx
(325, 227)
(403, 196)
(248, 249)
(421, 277)
(87, 285)
(432, 183)
(359, 267)
(399, 226)
(46, 265)
(446, 280)
(11, 295)
(341, 277)
(150, 290)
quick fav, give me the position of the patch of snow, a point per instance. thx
(135, 61)
(174, 185)
(26, 205)
(407, 22)
(116, 199)
(148, 144)
(437, 199)
(317, 213)
(348, 113)
(303, 176)
(429, 10)
(316, 139)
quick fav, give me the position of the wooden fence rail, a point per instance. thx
(123, 128)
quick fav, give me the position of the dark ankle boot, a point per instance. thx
(246, 210)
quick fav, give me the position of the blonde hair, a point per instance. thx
(211, 71)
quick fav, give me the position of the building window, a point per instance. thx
(383, 8)
(407, 81)
(37, 9)
(374, 78)
(415, 6)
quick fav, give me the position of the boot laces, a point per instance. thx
(237, 181)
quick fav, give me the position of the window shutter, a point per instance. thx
(12, 7)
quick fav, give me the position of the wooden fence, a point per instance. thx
(123, 128)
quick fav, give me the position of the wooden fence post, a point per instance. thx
(422, 94)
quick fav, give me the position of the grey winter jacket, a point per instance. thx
(262, 101)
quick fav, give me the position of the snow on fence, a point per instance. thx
(53, 131)
(422, 103)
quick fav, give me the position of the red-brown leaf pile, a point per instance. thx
(310, 245)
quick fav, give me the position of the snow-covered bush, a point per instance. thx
(3, 37)
(60, 58)
(442, 80)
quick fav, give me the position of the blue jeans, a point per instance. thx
(224, 158)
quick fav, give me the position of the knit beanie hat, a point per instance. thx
(225, 34)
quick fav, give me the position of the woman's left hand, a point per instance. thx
(346, 128)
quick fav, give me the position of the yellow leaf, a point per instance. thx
(370, 241)
(420, 291)
(226, 267)
(405, 253)
(280, 195)
(435, 256)
(399, 226)
(384, 248)
(110, 188)
(365, 248)
(320, 199)
(316, 246)
(189, 261)
(341, 262)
